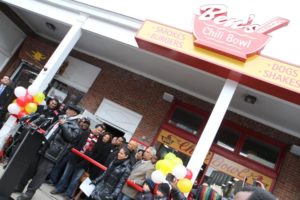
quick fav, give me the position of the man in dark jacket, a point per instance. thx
(61, 137)
(6, 95)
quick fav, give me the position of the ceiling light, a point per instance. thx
(250, 99)
(50, 26)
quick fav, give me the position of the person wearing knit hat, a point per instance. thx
(163, 191)
(147, 193)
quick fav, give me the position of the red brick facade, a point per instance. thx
(144, 96)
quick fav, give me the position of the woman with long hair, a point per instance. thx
(110, 183)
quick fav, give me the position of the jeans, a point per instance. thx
(58, 169)
(74, 182)
(64, 180)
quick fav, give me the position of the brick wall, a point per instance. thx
(288, 182)
(144, 96)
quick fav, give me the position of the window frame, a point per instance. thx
(233, 155)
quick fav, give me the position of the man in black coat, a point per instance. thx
(61, 136)
(6, 95)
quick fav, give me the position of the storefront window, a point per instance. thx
(260, 151)
(164, 149)
(227, 138)
(64, 93)
(186, 120)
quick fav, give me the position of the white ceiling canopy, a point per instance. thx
(268, 110)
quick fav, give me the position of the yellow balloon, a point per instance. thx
(177, 161)
(39, 97)
(170, 156)
(165, 166)
(184, 185)
(159, 164)
(30, 108)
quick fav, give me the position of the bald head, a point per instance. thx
(132, 145)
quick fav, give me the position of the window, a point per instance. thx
(186, 120)
(260, 151)
(227, 138)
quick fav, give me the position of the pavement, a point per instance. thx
(42, 194)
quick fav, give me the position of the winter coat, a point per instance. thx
(63, 139)
(140, 172)
(112, 180)
(144, 196)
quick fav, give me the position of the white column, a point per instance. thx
(59, 55)
(211, 127)
(47, 73)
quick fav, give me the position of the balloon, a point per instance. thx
(32, 90)
(13, 108)
(189, 174)
(28, 98)
(158, 177)
(39, 97)
(30, 107)
(159, 164)
(170, 156)
(179, 171)
(177, 161)
(20, 91)
(165, 166)
(21, 114)
(21, 101)
(184, 185)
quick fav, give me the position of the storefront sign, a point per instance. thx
(262, 73)
(180, 144)
(176, 142)
(238, 171)
(230, 36)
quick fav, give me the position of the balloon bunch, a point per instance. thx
(26, 101)
(172, 164)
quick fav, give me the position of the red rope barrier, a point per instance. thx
(130, 183)
(94, 162)
(135, 186)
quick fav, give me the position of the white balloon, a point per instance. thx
(179, 171)
(13, 108)
(158, 177)
(32, 90)
(20, 91)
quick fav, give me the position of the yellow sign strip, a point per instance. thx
(265, 69)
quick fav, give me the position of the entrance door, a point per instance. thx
(25, 74)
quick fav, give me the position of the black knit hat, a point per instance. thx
(164, 188)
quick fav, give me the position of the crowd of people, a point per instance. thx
(55, 163)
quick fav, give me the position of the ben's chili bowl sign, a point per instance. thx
(214, 30)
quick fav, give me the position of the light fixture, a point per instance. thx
(250, 99)
(168, 97)
(50, 26)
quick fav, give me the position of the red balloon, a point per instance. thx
(21, 101)
(189, 174)
(28, 98)
(22, 114)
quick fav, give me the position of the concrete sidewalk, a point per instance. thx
(42, 194)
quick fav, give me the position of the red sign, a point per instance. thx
(238, 38)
